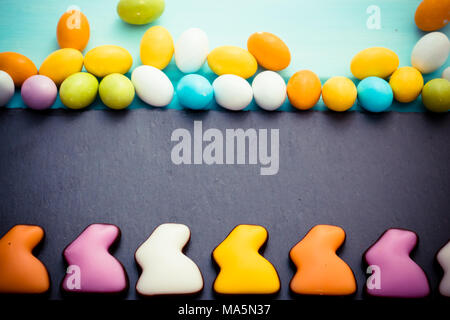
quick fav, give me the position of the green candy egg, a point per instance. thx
(116, 91)
(140, 11)
(78, 90)
(436, 95)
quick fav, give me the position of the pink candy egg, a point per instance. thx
(39, 92)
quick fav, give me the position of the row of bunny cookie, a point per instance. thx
(166, 270)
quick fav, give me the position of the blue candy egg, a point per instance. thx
(194, 92)
(375, 94)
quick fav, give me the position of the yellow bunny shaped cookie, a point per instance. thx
(243, 270)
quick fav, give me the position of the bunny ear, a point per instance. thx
(20, 271)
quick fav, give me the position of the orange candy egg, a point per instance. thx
(432, 15)
(269, 50)
(73, 30)
(19, 67)
(304, 89)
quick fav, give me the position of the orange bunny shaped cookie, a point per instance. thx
(20, 271)
(319, 270)
(243, 270)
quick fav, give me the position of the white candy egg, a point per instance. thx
(6, 88)
(191, 50)
(152, 86)
(232, 92)
(446, 73)
(269, 90)
(430, 52)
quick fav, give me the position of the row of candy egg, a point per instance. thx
(91, 268)
(304, 88)
(375, 94)
(191, 51)
(153, 87)
(429, 53)
(231, 91)
(232, 64)
(39, 92)
(72, 33)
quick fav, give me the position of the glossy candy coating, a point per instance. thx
(319, 270)
(156, 47)
(39, 92)
(432, 15)
(194, 92)
(406, 84)
(20, 271)
(446, 74)
(399, 276)
(61, 64)
(430, 52)
(232, 60)
(243, 270)
(91, 268)
(339, 93)
(107, 59)
(191, 50)
(19, 67)
(375, 94)
(140, 11)
(269, 90)
(304, 89)
(152, 86)
(116, 91)
(269, 50)
(232, 92)
(78, 90)
(73, 30)
(6, 88)
(436, 95)
(165, 269)
(374, 62)
(443, 258)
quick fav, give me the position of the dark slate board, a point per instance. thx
(366, 173)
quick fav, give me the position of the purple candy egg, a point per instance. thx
(39, 92)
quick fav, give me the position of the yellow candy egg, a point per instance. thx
(406, 83)
(157, 47)
(374, 62)
(61, 64)
(339, 93)
(232, 60)
(107, 59)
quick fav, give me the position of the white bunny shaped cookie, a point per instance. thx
(165, 269)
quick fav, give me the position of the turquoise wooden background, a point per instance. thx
(323, 35)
